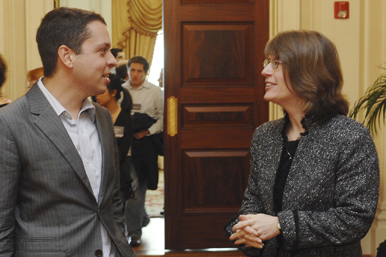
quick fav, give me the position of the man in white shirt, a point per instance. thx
(59, 174)
(147, 143)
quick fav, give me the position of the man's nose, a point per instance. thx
(112, 62)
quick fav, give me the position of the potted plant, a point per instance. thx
(373, 103)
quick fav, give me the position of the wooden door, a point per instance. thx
(214, 101)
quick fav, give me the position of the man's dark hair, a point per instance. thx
(139, 59)
(121, 72)
(63, 26)
(115, 51)
(3, 70)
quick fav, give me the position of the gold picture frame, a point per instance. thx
(56, 4)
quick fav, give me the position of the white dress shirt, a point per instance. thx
(148, 99)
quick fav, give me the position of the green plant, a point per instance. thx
(373, 103)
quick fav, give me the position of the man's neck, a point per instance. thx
(137, 86)
(69, 99)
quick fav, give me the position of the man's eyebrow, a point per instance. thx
(104, 45)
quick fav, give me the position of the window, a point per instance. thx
(158, 59)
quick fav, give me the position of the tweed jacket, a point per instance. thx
(47, 206)
(331, 193)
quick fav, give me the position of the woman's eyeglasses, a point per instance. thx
(275, 63)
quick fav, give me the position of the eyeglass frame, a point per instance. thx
(275, 63)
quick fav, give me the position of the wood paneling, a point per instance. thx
(216, 54)
(217, 116)
(203, 170)
(213, 55)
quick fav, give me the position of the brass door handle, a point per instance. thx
(172, 116)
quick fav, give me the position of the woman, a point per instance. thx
(313, 187)
(123, 128)
(33, 76)
(3, 71)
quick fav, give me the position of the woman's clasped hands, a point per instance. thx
(253, 229)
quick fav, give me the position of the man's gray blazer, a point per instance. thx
(47, 207)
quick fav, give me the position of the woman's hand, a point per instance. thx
(247, 236)
(253, 229)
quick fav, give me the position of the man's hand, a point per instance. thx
(141, 134)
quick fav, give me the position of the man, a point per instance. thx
(161, 78)
(118, 54)
(59, 174)
(147, 143)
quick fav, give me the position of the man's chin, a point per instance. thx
(100, 90)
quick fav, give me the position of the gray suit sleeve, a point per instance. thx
(9, 176)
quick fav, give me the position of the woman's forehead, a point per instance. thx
(272, 56)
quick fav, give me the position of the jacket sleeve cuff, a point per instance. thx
(289, 223)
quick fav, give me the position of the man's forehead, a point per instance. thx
(98, 30)
(136, 65)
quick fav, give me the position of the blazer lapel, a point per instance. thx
(267, 174)
(52, 127)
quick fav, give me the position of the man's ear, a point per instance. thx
(65, 55)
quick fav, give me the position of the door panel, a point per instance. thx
(213, 59)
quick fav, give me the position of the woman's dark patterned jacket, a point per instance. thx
(331, 193)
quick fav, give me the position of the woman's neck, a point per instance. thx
(114, 109)
(295, 128)
(3, 100)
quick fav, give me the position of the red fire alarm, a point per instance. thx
(341, 10)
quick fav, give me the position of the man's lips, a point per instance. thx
(106, 76)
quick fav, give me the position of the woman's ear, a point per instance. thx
(114, 92)
(65, 55)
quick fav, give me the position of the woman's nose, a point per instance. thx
(267, 71)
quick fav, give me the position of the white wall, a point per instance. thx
(103, 7)
(19, 21)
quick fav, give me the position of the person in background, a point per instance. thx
(314, 181)
(59, 165)
(119, 54)
(161, 78)
(121, 70)
(3, 76)
(147, 143)
(34, 75)
(123, 128)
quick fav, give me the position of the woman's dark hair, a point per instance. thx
(116, 84)
(3, 70)
(121, 72)
(63, 26)
(311, 65)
